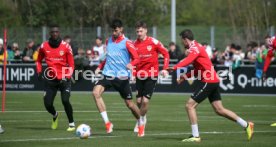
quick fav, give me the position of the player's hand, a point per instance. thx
(65, 81)
(40, 76)
(97, 71)
(170, 69)
(179, 81)
(129, 66)
(264, 76)
(164, 73)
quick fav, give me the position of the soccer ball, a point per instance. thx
(83, 131)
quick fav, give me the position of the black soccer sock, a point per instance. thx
(67, 106)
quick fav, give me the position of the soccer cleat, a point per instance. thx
(70, 129)
(1, 130)
(55, 122)
(135, 130)
(273, 125)
(250, 130)
(141, 131)
(192, 139)
(109, 127)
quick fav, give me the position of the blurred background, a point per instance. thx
(234, 32)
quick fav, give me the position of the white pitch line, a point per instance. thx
(213, 132)
(16, 111)
(53, 139)
(158, 134)
(259, 106)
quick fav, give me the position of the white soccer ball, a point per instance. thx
(83, 131)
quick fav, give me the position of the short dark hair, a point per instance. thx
(116, 23)
(141, 24)
(267, 36)
(171, 44)
(98, 37)
(54, 26)
(187, 34)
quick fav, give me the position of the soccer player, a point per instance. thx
(271, 42)
(147, 69)
(116, 66)
(1, 130)
(208, 87)
(60, 65)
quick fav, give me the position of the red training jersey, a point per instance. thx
(270, 53)
(203, 67)
(148, 51)
(58, 60)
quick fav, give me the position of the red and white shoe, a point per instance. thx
(135, 130)
(109, 127)
(141, 131)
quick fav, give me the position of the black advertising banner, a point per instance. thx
(22, 77)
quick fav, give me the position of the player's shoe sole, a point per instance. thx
(55, 122)
(109, 127)
(250, 130)
(273, 125)
(192, 139)
(70, 129)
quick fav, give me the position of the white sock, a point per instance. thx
(242, 122)
(140, 121)
(72, 124)
(144, 118)
(104, 116)
(195, 132)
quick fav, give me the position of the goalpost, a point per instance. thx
(4, 71)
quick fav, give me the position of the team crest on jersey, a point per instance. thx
(149, 48)
(61, 53)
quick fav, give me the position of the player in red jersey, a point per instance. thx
(147, 69)
(60, 65)
(208, 87)
(271, 42)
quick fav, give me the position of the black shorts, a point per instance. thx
(204, 90)
(120, 85)
(145, 87)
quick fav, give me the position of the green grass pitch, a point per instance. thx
(28, 124)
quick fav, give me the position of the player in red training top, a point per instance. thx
(147, 69)
(208, 87)
(60, 65)
(271, 42)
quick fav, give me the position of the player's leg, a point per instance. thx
(49, 96)
(65, 91)
(139, 89)
(97, 95)
(1, 130)
(136, 113)
(123, 87)
(215, 100)
(149, 87)
(198, 96)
